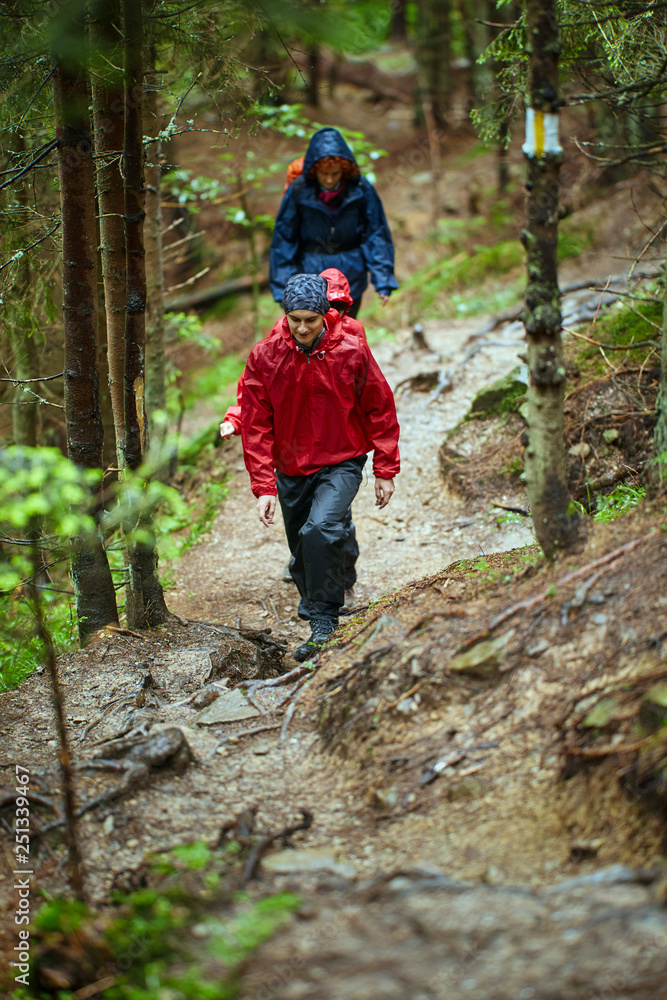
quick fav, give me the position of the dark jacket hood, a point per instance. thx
(326, 142)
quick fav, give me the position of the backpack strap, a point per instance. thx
(296, 187)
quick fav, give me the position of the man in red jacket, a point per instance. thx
(314, 403)
(338, 294)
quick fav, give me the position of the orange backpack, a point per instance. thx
(294, 170)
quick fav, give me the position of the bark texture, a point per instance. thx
(93, 585)
(21, 331)
(546, 483)
(155, 369)
(657, 470)
(107, 92)
(145, 604)
(434, 55)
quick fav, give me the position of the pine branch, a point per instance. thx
(49, 149)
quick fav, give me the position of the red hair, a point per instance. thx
(348, 168)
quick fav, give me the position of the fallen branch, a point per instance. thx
(531, 602)
(246, 732)
(291, 708)
(276, 681)
(260, 849)
(406, 694)
(94, 989)
(611, 347)
(512, 510)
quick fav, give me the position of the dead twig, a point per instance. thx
(531, 602)
(259, 850)
(406, 694)
(246, 732)
(95, 988)
(611, 347)
(277, 681)
(512, 510)
(604, 751)
(256, 704)
(291, 708)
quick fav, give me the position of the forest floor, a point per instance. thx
(476, 753)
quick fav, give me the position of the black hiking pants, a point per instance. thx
(320, 533)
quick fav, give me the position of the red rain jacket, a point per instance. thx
(300, 412)
(350, 325)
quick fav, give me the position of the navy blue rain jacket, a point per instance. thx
(308, 238)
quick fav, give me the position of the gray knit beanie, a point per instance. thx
(306, 291)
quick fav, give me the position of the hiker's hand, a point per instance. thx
(227, 429)
(383, 298)
(266, 508)
(383, 491)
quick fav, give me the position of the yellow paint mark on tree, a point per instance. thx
(541, 134)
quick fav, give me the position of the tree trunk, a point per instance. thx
(155, 360)
(24, 409)
(398, 26)
(657, 469)
(108, 124)
(109, 455)
(145, 604)
(545, 454)
(22, 335)
(468, 20)
(434, 56)
(314, 76)
(95, 596)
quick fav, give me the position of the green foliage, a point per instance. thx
(20, 648)
(610, 506)
(44, 503)
(63, 915)
(622, 499)
(431, 289)
(287, 120)
(177, 532)
(183, 328)
(573, 240)
(154, 927)
(497, 298)
(508, 564)
(379, 335)
(616, 54)
(45, 515)
(622, 325)
(217, 380)
(46, 512)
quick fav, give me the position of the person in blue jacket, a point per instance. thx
(331, 216)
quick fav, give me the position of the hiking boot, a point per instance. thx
(287, 576)
(321, 631)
